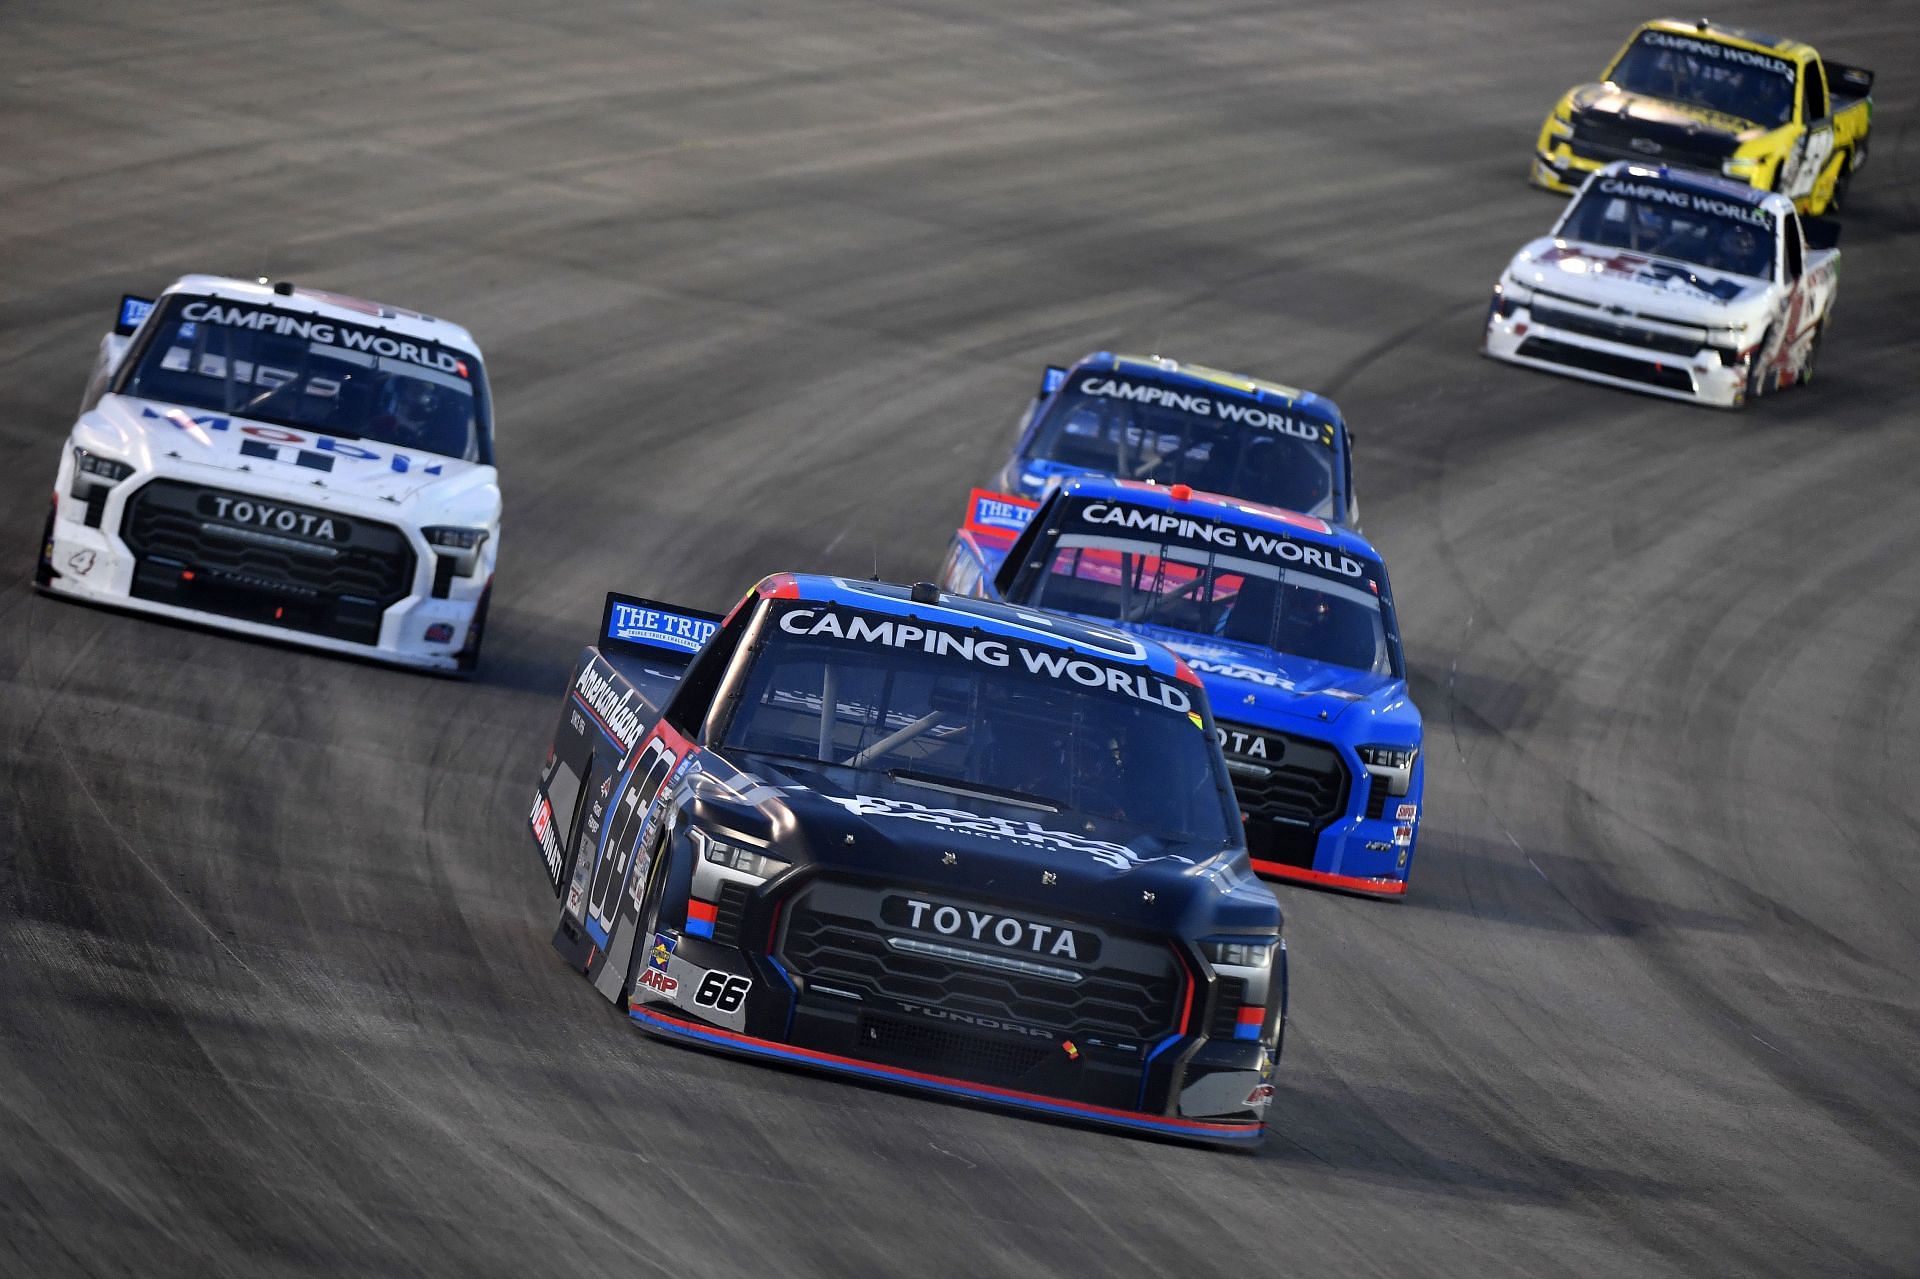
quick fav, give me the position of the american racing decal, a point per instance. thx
(1026, 834)
(1200, 404)
(617, 710)
(1008, 932)
(972, 646)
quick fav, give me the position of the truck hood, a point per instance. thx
(1663, 127)
(1059, 863)
(322, 470)
(1663, 288)
(1250, 684)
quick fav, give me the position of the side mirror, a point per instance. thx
(133, 310)
(1053, 379)
(1821, 233)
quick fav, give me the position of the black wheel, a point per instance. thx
(43, 564)
(469, 658)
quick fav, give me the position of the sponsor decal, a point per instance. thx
(1403, 834)
(578, 721)
(986, 927)
(542, 820)
(972, 646)
(1406, 812)
(724, 992)
(1718, 52)
(998, 512)
(326, 332)
(253, 513)
(81, 562)
(1166, 524)
(1237, 741)
(1200, 404)
(315, 452)
(1379, 846)
(618, 710)
(655, 976)
(1260, 1096)
(1683, 198)
(1026, 834)
(975, 1020)
(637, 625)
(1240, 671)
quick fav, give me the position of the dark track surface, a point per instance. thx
(763, 286)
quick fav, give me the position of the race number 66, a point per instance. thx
(723, 991)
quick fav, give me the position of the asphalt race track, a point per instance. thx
(763, 286)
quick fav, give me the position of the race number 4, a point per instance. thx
(723, 991)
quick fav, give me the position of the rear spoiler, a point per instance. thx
(631, 624)
(997, 518)
(133, 310)
(1855, 79)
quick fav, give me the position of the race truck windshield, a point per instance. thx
(1742, 83)
(1137, 567)
(1212, 439)
(311, 373)
(1674, 222)
(974, 715)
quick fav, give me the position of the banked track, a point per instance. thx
(763, 286)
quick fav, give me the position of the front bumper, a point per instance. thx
(833, 988)
(1105, 1116)
(1560, 171)
(434, 626)
(1700, 378)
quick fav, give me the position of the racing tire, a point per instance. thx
(43, 556)
(1813, 352)
(1760, 377)
(1838, 200)
(647, 923)
(468, 660)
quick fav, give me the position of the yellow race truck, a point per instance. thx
(1697, 95)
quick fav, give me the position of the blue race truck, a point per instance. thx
(1288, 621)
(1139, 417)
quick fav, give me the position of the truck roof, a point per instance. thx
(1005, 620)
(1182, 500)
(1199, 375)
(332, 306)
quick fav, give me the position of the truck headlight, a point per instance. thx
(1742, 167)
(1559, 126)
(104, 469)
(1240, 954)
(1392, 764)
(748, 861)
(458, 553)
